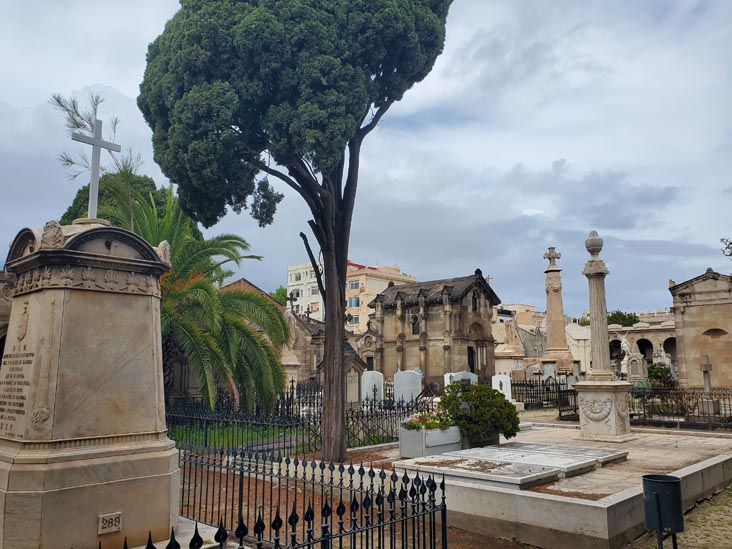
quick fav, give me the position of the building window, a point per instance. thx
(295, 294)
(298, 276)
(475, 301)
(353, 285)
(353, 320)
(314, 306)
(353, 301)
(415, 325)
(314, 291)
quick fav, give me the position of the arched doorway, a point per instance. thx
(645, 347)
(477, 348)
(669, 347)
(471, 359)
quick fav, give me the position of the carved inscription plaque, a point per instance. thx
(15, 373)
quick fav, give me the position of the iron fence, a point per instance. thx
(296, 503)
(539, 394)
(291, 427)
(688, 408)
(567, 404)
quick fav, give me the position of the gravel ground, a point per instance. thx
(707, 525)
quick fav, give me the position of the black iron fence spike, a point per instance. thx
(196, 541)
(172, 543)
(221, 534)
(124, 545)
(149, 544)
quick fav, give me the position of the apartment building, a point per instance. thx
(303, 286)
(363, 283)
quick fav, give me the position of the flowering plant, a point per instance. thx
(428, 420)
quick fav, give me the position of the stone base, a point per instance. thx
(603, 410)
(709, 407)
(52, 494)
(520, 407)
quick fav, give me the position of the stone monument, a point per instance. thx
(602, 400)
(556, 351)
(372, 386)
(708, 406)
(84, 456)
(407, 385)
(502, 384)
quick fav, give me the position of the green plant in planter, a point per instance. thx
(428, 420)
(481, 412)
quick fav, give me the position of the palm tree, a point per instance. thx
(229, 338)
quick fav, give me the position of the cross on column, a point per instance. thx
(291, 299)
(97, 144)
(308, 312)
(706, 369)
(552, 255)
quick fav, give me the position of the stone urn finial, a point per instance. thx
(594, 244)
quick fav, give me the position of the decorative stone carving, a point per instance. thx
(53, 235)
(89, 278)
(163, 250)
(596, 409)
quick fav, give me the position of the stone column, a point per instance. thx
(602, 400)
(83, 434)
(557, 351)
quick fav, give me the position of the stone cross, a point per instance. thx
(706, 369)
(552, 255)
(291, 299)
(308, 312)
(97, 144)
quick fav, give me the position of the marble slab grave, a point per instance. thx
(602, 455)
(568, 465)
(516, 476)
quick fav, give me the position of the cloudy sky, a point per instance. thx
(541, 121)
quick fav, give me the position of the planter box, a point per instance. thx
(428, 442)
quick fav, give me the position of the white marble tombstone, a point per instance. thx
(502, 384)
(369, 380)
(407, 385)
(352, 392)
(461, 376)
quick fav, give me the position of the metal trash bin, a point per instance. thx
(663, 505)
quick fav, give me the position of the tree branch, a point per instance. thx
(363, 132)
(314, 263)
(291, 183)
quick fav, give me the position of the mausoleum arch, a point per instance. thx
(645, 347)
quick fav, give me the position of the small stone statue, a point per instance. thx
(53, 235)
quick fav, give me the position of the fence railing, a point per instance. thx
(287, 429)
(689, 408)
(538, 394)
(294, 503)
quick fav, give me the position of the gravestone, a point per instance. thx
(637, 368)
(369, 380)
(84, 456)
(502, 384)
(352, 386)
(461, 376)
(407, 385)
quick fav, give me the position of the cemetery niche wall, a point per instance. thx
(84, 456)
(437, 327)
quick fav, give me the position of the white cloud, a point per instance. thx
(540, 121)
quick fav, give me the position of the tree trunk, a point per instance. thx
(333, 428)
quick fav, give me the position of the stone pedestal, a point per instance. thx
(709, 407)
(603, 410)
(84, 456)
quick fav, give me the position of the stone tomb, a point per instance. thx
(371, 380)
(84, 456)
(461, 376)
(502, 384)
(353, 391)
(407, 385)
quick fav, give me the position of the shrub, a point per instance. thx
(480, 411)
